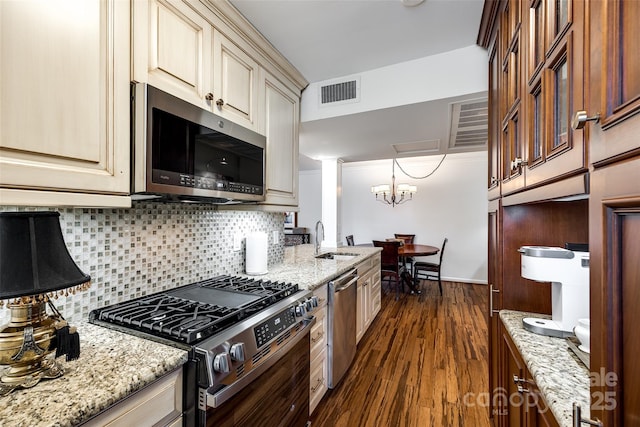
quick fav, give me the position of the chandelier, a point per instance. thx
(394, 194)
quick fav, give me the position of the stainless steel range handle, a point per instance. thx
(217, 399)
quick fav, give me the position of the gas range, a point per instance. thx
(234, 328)
(192, 313)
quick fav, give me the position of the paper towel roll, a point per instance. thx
(256, 256)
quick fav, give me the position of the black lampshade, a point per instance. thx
(33, 256)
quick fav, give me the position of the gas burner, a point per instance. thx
(194, 312)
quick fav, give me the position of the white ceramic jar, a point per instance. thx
(583, 331)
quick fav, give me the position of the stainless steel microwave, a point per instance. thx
(181, 152)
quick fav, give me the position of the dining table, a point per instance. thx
(409, 250)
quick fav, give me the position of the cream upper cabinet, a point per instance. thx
(172, 49)
(282, 119)
(64, 102)
(235, 87)
(178, 49)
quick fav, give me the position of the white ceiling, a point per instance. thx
(325, 39)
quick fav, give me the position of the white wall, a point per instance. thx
(453, 73)
(451, 203)
(310, 200)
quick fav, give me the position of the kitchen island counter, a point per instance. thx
(112, 365)
(302, 267)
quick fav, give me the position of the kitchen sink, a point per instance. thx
(336, 256)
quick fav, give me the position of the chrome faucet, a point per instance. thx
(319, 241)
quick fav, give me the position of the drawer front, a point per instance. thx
(365, 266)
(321, 293)
(318, 337)
(318, 383)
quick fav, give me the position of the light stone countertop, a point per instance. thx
(557, 371)
(111, 366)
(300, 265)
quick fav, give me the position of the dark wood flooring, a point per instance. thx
(419, 359)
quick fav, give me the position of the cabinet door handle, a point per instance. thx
(518, 162)
(209, 96)
(220, 102)
(492, 291)
(580, 119)
(578, 420)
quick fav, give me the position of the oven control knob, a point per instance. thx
(309, 304)
(314, 301)
(222, 363)
(237, 352)
(301, 310)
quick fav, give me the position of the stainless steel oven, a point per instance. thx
(248, 341)
(279, 396)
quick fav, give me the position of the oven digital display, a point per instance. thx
(272, 327)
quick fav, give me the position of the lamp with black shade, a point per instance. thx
(35, 267)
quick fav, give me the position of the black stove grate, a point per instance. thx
(190, 313)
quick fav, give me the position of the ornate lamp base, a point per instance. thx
(27, 348)
(28, 375)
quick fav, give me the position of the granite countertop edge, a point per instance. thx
(560, 376)
(112, 365)
(301, 266)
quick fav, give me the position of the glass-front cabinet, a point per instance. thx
(538, 65)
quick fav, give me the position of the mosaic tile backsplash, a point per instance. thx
(153, 247)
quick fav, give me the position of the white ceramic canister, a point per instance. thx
(583, 331)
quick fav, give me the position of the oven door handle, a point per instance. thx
(217, 399)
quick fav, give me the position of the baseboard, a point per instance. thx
(464, 280)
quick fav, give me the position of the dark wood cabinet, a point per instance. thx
(520, 401)
(549, 59)
(615, 210)
(536, 82)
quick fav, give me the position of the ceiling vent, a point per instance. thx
(336, 92)
(417, 148)
(469, 124)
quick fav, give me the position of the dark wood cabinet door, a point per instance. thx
(614, 234)
(614, 84)
(513, 369)
(554, 89)
(615, 293)
(494, 176)
(496, 413)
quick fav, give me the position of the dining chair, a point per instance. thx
(349, 240)
(389, 267)
(407, 238)
(430, 270)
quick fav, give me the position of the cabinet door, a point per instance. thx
(172, 49)
(512, 370)
(555, 78)
(494, 174)
(614, 276)
(235, 77)
(496, 413)
(375, 293)
(64, 98)
(361, 304)
(614, 209)
(282, 116)
(615, 29)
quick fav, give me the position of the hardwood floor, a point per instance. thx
(416, 363)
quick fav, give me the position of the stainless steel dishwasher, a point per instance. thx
(341, 312)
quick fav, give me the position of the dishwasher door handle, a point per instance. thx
(349, 283)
